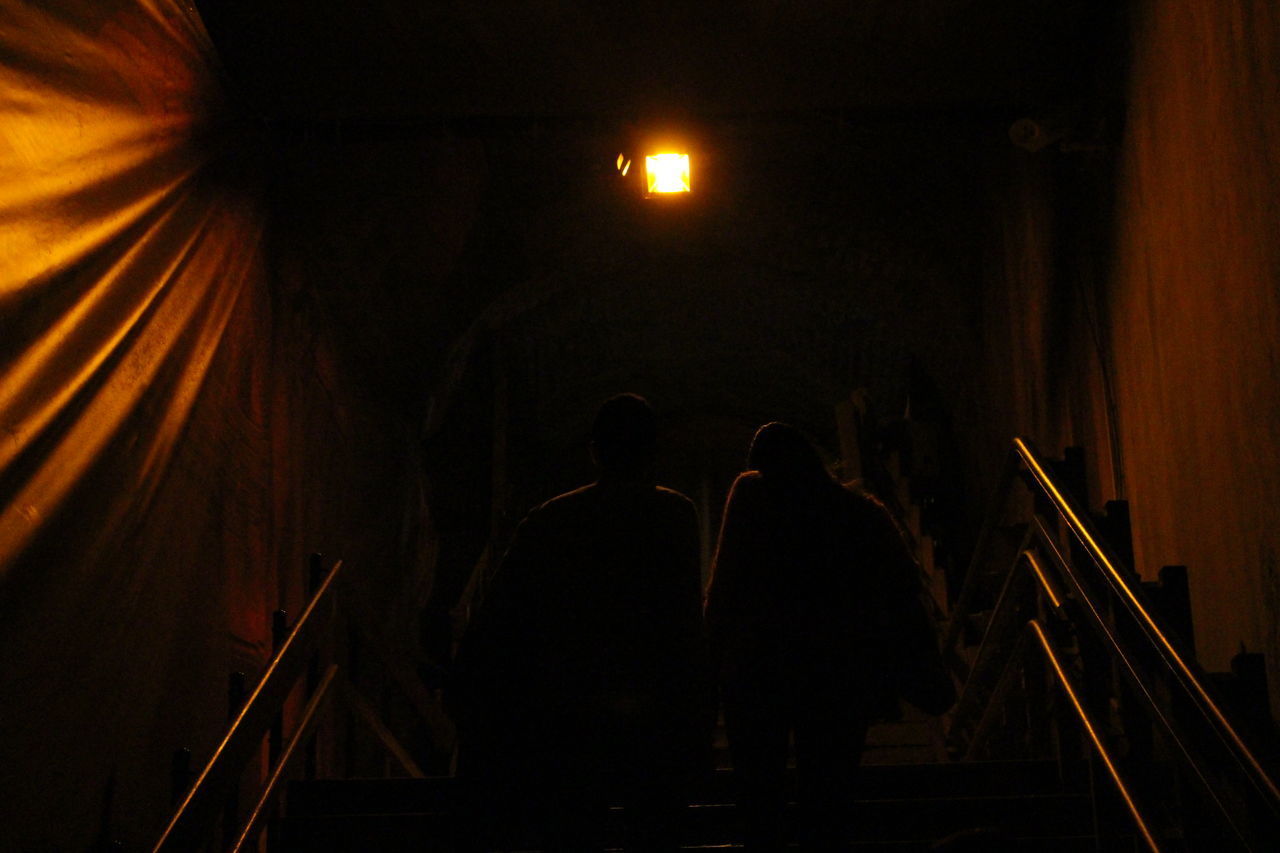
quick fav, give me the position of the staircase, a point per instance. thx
(907, 805)
(1065, 672)
(899, 808)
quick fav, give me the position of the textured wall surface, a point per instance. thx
(1133, 308)
(1196, 312)
(177, 428)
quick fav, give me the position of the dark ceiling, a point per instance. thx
(863, 118)
(451, 199)
(413, 58)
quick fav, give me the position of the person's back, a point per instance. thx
(613, 569)
(588, 665)
(804, 572)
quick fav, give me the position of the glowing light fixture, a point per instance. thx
(667, 173)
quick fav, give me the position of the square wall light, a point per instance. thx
(666, 173)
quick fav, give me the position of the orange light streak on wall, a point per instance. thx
(105, 255)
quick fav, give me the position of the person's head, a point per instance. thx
(781, 452)
(624, 437)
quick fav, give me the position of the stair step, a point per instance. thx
(1041, 805)
(914, 820)
(874, 782)
(925, 820)
(393, 833)
(915, 739)
(420, 837)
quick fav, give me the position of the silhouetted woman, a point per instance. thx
(805, 572)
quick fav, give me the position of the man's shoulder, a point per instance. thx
(568, 503)
(594, 498)
(748, 484)
(672, 497)
(567, 499)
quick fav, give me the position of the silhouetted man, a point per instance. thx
(587, 664)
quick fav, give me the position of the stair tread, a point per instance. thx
(404, 834)
(898, 807)
(875, 782)
(879, 820)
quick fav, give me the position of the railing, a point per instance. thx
(307, 653)
(197, 814)
(1040, 630)
(1142, 691)
(1055, 660)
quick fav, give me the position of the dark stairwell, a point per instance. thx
(1068, 742)
(294, 277)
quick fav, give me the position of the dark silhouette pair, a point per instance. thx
(590, 671)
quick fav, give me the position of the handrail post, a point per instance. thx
(1038, 690)
(1118, 528)
(1074, 475)
(236, 692)
(279, 631)
(179, 775)
(315, 576)
(1175, 605)
(275, 739)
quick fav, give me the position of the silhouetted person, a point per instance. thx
(804, 572)
(586, 670)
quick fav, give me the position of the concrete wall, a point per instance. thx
(1132, 306)
(1196, 312)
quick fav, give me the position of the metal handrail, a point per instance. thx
(198, 809)
(306, 727)
(1082, 587)
(1083, 531)
(1027, 558)
(1100, 624)
(1051, 653)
